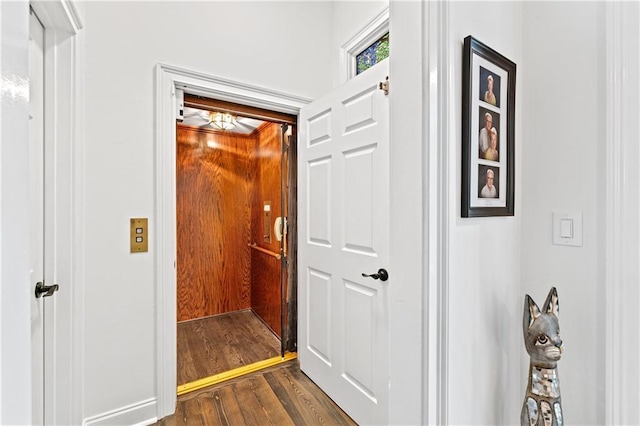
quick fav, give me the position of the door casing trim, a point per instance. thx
(168, 79)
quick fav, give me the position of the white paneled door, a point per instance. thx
(343, 320)
(36, 210)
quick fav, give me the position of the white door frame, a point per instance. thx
(421, 74)
(168, 79)
(62, 91)
(439, 74)
(622, 214)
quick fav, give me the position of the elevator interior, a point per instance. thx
(235, 215)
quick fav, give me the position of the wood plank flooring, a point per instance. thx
(280, 395)
(221, 343)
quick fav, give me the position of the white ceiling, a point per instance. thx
(199, 118)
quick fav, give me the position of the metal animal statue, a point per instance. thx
(542, 405)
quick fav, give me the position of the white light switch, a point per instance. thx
(567, 229)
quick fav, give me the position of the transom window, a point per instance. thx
(366, 48)
(376, 52)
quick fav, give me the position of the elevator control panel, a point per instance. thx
(139, 234)
(266, 222)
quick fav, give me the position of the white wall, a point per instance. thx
(564, 159)
(485, 332)
(560, 166)
(281, 46)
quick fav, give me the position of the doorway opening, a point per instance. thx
(235, 240)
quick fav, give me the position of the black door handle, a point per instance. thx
(382, 275)
(45, 290)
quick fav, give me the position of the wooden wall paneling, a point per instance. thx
(265, 289)
(265, 277)
(213, 204)
(266, 183)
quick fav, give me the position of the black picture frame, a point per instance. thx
(488, 100)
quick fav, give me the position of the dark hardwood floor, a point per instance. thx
(279, 395)
(221, 343)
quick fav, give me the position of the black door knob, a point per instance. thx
(382, 275)
(45, 290)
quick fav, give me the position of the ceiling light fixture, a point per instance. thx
(222, 120)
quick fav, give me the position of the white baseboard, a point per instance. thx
(140, 413)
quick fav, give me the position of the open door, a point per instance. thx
(343, 169)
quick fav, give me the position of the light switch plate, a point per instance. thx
(139, 234)
(567, 228)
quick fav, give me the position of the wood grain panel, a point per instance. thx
(265, 289)
(281, 395)
(213, 203)
(265, 277)
(266, 160)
